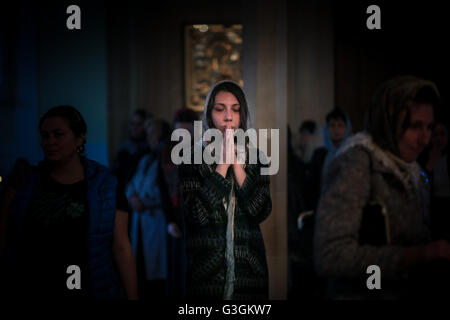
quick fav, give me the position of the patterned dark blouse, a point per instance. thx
(206, 225)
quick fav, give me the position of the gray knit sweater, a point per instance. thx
(363, 174)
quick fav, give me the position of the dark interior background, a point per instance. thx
(300, 58)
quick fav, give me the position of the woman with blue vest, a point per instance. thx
(68, 226)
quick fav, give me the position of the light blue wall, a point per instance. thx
(73, 70)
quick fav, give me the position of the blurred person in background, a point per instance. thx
(183, 119)
(338, 128)
(305, 149)
(129, 154)
(152, 214)
(436, 162)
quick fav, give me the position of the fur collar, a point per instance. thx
(408, 173)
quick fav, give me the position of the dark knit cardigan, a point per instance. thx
(206, 223)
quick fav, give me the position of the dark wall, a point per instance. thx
(146, 56)
(131, 55)
(411, 41)
(18, 85)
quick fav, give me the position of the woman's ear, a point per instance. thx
(81, 140)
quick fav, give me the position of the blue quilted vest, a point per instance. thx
(101, 189)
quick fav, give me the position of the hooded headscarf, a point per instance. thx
(243, 111)
(244, 122)
(383, 124)
(332, 149)
(389, 101)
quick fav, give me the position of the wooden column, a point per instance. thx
(265, 82)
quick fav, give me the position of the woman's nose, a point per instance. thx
(228, 115)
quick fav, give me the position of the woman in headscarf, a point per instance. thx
(372, 211)
(224, 205)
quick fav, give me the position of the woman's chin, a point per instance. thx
(52, 158)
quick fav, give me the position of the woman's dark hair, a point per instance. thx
(308, 126)
(445, 125)
(336, 114)
(164, 143)
(74, 119)
(185, 115)
(424, 95)
(236, 90)
(142, 113)
(19, 173)
(422, 159)
(163, 125)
